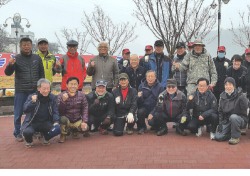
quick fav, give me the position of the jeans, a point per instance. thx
(19, 100)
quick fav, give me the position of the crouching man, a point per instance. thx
(101, 107)
(73, 109)
(41, 114)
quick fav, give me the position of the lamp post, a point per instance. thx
(17, 19)
(213, 5)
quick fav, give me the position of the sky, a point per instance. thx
(49, 16)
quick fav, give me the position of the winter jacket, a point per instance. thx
(31, 108)
(73, 66)
(173, 108)
(149, 96)
(237, 104)
(101, 106)
(135, 76)
(180, 76)
(239, 76)
(198, 66)
(49, 65)
(247, 77)
(105, 68)
(221, 68)
(129, 105)
(203, 104)
(28, 70)
(74, 108)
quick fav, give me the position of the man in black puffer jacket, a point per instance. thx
(28, 70)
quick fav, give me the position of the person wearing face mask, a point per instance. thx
(232, 113)
(221, 64)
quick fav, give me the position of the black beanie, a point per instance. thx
(230, 80)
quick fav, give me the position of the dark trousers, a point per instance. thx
(97, 121)
(142, 113)
(119, 124)
(195, 123)
(20, 98)
(43, 127)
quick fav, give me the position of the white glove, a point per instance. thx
(125, 63)
(118, 100)
(146, 58)
(130, 118)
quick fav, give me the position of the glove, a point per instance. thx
(146, 58)
(106, 121)
(183, 119)
(160, 99)
(125, 63)
(130, 118)
(118, 100)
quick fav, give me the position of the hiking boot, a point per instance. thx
(45, 142)
(29, 145)
(129, 131)
(161, 132)
(234, 141)
(86, 134)
(180, 131)
(141, 131)
(103, 131)
(62, 138)
(19, 138)
(75, 135)
(199, 133)
(212, 136)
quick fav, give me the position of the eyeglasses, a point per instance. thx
(171, 87)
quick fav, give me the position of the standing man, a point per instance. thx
(221, 64)
(73, 65)
(148, 51)
(104, 67)
(28, 70)
(50, 65)
(198, 64)
(125, 61)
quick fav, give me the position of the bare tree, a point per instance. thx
(68, 34)
(101, 28)
(4, 2)
(242, 33)
(175, 20)
(5, 41)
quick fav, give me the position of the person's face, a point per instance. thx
(100, 90)
(198, 48)
(26, 47)
(159, 49)
(171, 89)
(72, 86)
(148, 51)
(103, 49)
(151, 78)
(44, 89)
(236, 64)
(248, 57)
(202, 86)
(72, 49)
(134, 62)
(180, 51)
(43, 47)
(123, 83)
(190, 48)
(229, 87)
(126, 56)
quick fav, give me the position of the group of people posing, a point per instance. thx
(192, 90)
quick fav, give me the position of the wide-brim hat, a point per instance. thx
(198, 42)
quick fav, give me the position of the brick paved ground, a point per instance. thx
(146, 151)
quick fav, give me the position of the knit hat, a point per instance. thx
(171, 82)
(230, 80)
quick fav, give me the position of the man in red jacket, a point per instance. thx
(73, 65)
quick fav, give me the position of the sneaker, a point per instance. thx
(234, 141)
(29, 145)
(141, 131)
(75, 135)
(212, 136)
(129, 131)
(62, 138)
(181, 132)
(45, 142)
(86, 134)
(19, 138)
(162, 132)
(199, 133)
(103, 131)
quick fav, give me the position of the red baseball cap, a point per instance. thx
(190, 44)
(148, 47)
(247, 51)
(125, 51)
(221, 48)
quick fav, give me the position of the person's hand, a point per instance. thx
(150, 116)
(191, 97)
(176, 65)
(12, 61)
(125, 63)
(130, 118)
(211, 87)
(65, 96)
(140, 94)
(34, 98)
(92, 63)
(118, 100)
(84, 126)
(201, 118)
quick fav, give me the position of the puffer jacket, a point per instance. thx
(237, 104)
(30, 109)
(74, 108)
(28, 70)
(198, 66)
